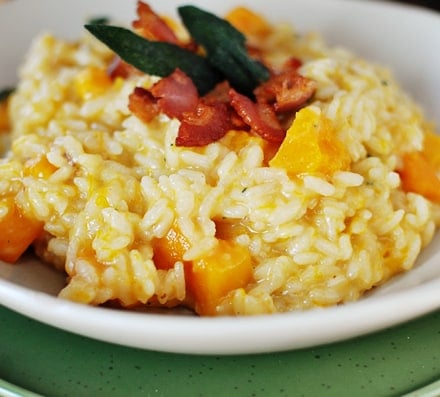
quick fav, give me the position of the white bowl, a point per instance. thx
(403, 38)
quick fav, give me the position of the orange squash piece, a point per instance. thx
(248, 22)
(311, 146)
(17, 232)
(91, 82)
(170, 248)
(210, 278)
(226, 268)
(418, 175)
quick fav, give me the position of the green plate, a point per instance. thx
(51, 362)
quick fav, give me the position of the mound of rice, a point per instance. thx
(120, 183)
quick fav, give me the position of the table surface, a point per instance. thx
(52, 362)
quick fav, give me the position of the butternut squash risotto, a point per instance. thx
(306, 185)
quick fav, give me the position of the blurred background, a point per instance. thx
(434, 4)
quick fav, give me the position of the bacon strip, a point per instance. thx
(152, 26)
(259, 116)
(202, 122)
(206, 124)
(207, 119)
(292, 63)
(176, 94)
(220, 93)
(142, 104)
(287, 91)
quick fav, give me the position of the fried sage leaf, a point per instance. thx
(155, 57)
(225, 48)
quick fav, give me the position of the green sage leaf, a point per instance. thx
(156, 58)
(225, 48)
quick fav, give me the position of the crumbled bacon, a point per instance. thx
(237, 122)
(176, 94)
(202, 122)
(287, 91)
(206, 119)
(206, 124)
(142, 104)
(152, 26)
(292, 63)
(259, 116)
(220, 93)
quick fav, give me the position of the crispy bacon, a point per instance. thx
(292, 63)
(287, 91)
(220, 93)
(202, 122)
(176, 94)
(173, 95)
(207, 119)
(206, 124)
(143, 105)
(259, 116)
(152, 26)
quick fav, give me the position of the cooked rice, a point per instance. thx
(121, 183)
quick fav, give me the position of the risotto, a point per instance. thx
(245, 223)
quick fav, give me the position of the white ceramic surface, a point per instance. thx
(403, 38)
